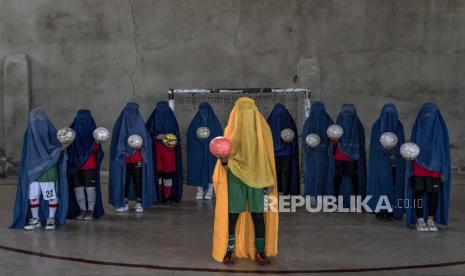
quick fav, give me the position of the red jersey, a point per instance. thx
(339, 155)
(420, 171)
(166, 158)
(91, 162)
(136, 157)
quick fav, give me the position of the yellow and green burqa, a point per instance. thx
(252, 161)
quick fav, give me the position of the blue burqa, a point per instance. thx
(41, 150)
(163, 121)
(352, 144)
(431, 135)
(381, 180)
(130, 122)
(200, 161)
(280, 119)
(78, 153)
(316, 159)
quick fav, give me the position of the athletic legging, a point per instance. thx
(134, 172)
(432, 203)
(258, 224)
(345, 168)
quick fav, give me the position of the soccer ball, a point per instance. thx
(220, 147)
(101, 134)
(135, 141)
(335, 132)
(410, 151)
(312, 140)
(389, 140)
(66, 135)
(203, 132)
(170, 140)
(287, 135)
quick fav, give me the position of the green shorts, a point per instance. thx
(239, 193)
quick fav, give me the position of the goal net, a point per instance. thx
(185, 103)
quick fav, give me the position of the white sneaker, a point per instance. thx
(199, 195)
(139, 208)
(431, 225)
(32, 224)
(50, 224)
(421, 225)
(209, 194)
(123, 209)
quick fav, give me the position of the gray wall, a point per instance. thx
(98, 54)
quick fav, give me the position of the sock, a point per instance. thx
(210, 187)
(52, 207)
(91, 196)
(167, 184)
(199, 189)
(80, 197)
(34, 204)
(260, 245)
(231, 242)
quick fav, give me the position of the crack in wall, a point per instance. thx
(138, 53)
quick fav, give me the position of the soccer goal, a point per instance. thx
(185, 103)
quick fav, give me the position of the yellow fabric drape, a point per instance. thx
(252, 161)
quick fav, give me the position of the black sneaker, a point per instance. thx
(50, 224)
(229, 258)
(32, 224)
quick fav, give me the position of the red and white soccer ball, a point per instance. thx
(220, 147)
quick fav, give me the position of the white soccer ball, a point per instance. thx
(287, 135)
(389, 140)
(135, 141)
(335, 132)
(312, 140)
(66, 135)
(410, 151)
(203, 132)
(101, 134)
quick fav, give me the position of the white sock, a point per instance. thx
(80, 197)
(52, 207)
(34, 204)
(91, 197)
(167, 182)
(210, 187)
(199, 189)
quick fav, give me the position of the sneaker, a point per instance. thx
(89, 215)
(229, 258)
(421, 225)
(50, 224)
(123, 209)
(199, 195)
(209, 194)
(32, 224)
(139, 208)
(81, 215)
(431, 225)
(262, 259)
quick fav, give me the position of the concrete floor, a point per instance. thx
(180, 236)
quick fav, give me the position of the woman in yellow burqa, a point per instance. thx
(243, 227)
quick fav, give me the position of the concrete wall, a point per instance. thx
(98, 54)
